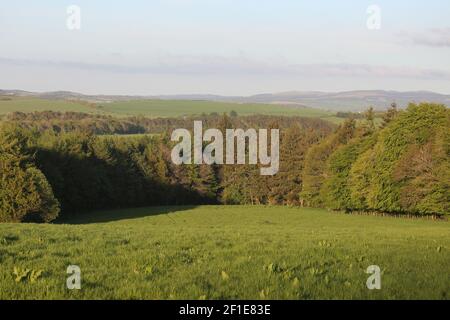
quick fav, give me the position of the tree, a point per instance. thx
(390, 114)
(314, 172)
(405, 170)
(25, 194)
(369, 124)
(336, 190)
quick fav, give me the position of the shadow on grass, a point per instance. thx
(120, 214)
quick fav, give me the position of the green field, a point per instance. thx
(158, 108)
(227, 252)
(176, 108)
(35, 104)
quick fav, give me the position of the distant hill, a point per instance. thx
(352, 100)
(333, 101)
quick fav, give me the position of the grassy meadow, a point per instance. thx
(176, 108)
(28, 104)
(226, 252)
(158, 108)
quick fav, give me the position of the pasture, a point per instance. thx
(158, 108)
(29, 104)
(226, 252)
(176, 108)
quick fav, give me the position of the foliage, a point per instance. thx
(25, 194)
(401, 168)
(314, 172)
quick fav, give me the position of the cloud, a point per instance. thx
(433, 38)
(240, 65)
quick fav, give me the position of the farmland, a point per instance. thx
(157, 108)
(226, 252)
(175, 108)
(25, 104)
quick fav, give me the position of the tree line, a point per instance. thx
(47, 172)
(109, 125)
(400, 166)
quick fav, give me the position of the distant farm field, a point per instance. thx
(8, 105)
(159, 108)
(226, 252)
(175, 108)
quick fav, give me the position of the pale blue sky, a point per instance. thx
(232, 47)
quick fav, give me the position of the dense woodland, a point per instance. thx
(54, 164)
(109, 125)
(403, 167)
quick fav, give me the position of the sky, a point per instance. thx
(227, 47)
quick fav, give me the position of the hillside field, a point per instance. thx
(158, 108)
(175, 108)
(26, 104)
(226, 252)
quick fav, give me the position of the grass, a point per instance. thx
(176, 108)
(25, 104)
(157, 108)
(130, 135)
(226, 252)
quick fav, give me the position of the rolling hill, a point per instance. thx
(152, 108)
(332, 101)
